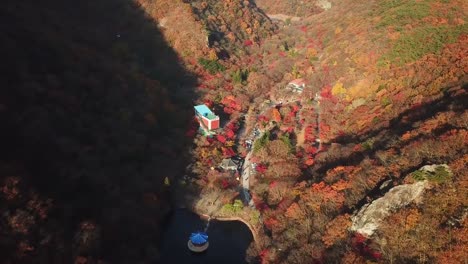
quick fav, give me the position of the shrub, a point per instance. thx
(386, 101)
(240, 76)
(212, 66)
(368, 144)
(286, 140)
(440, 174)
(261, 142)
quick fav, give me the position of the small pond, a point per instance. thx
(228, 240)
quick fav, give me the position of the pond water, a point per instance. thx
(228, 240)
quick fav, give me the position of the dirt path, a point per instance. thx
(283, 17)
(317, 99)
(301, 137)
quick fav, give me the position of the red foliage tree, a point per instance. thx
(271, 222)
(264, 256)
(326, 92)
(262, 118)
(295, 108)
(310, 150)
(357, 148)
(228, 152)
(231, 105)
(248, 43)
(221, 138)
(225, 184)
(273, 184)
(261, 168)
(230, 134)
(232, 126)
(210, 139)
(309, 161)
(208, 103)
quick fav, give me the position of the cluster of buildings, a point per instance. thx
(209, 122)
(209, 125)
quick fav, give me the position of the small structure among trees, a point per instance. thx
(207, 119)
(228, 165)
(296, 85)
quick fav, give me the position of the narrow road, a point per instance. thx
(247, 171)
(245, 178)
(317, 99)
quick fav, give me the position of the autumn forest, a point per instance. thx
(349, 120)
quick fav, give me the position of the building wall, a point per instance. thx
(206, 122)
(214, 124)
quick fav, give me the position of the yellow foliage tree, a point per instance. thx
(338, 89)
(311, 52)
(338, 30)
(212, 55)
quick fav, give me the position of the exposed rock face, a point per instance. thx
(324, 4)
(367, 220)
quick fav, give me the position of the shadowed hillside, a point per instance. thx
(94, 106)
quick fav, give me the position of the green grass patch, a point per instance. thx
(235, 207)
(386, 101)
(255, 217)
(413, 45)
(240, 76)
(398, 13)
(368, 144)
(293, 53)
(439, 175)
(381, 87)
(313, 59)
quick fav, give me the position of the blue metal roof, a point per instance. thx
(205, 111)
(199, 238)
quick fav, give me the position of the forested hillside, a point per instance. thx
(93, 110)
(366, 163)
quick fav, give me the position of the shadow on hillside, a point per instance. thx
(94, 108)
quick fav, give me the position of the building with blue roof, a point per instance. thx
(207, 119)
(198, 242)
